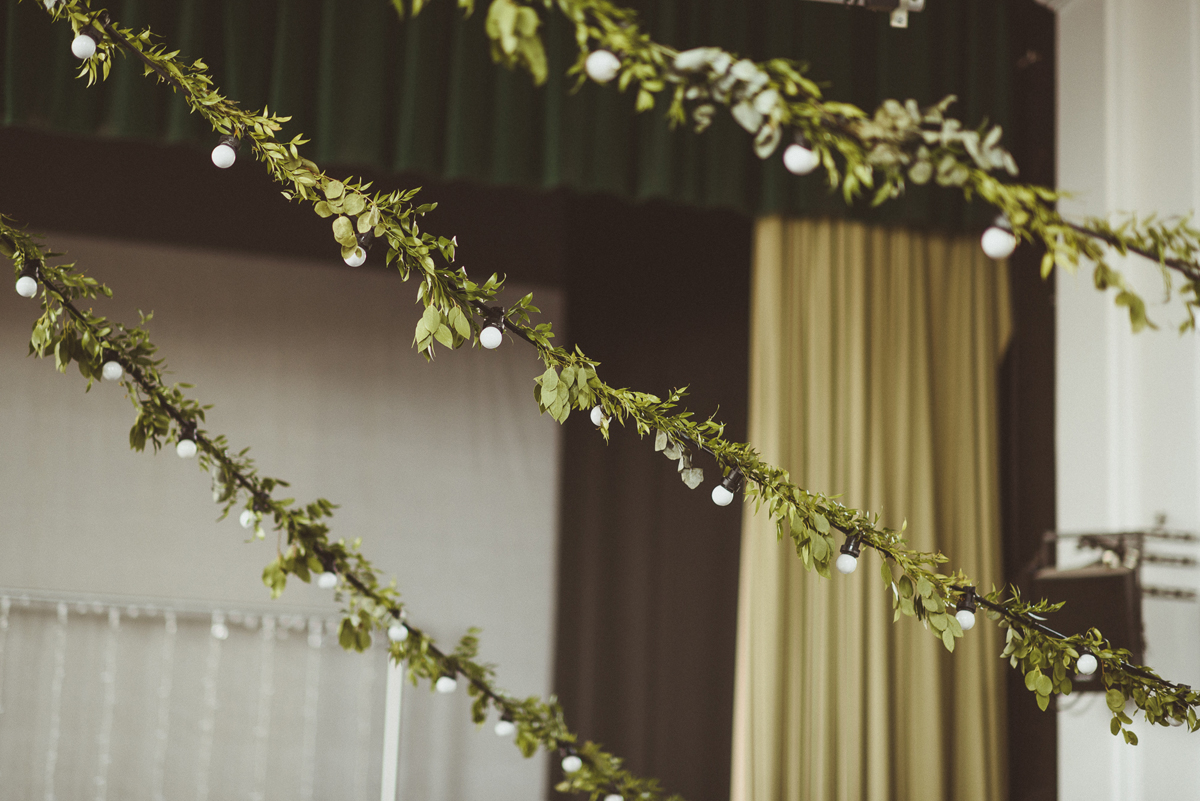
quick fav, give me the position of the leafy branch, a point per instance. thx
(901, 139)
(863, 154)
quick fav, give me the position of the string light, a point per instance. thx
(357, 256)
(571, 763)
(397, 632)
(598, 416)
(1087, 664)
(847, 562)
(505, 727)
(446, 684)
(111, 370)
(966, 609)
(225, 153)
(723, 493)
(492, 333)
(998, 241)
(799, 157)
(84, 45)
(27, 284)
(614, 797)
(602, 66)
(186, 447)
(327, 580)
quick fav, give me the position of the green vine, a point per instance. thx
(899, 143)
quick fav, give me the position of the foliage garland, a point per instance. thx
(900, 142)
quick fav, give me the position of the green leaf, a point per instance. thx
(924, 587)
(343, 232)
(354, 204)
(948, 640)
(820, 523)
(1031, 679)
(442, 334)
(334, 189)
(1044, 685)
(1115, 700)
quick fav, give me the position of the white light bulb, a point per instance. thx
(446, 684)
(597, 416)
(965, 618)
(799, 160)
(397, 632)
(84, 46)
(721, 495)
(112, 371)
(357, 257)
(614, 797)
(506, 728)
(248, 519)
(602, 66)
(1087, 664)
(491, 337)
(846, 563)
(998, 243)
(26, 286)
(327, 580)
(220, 631)
(186, 449)
(571, 763)
(224, 156)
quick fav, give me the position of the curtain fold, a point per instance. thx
(423, 96)
(874, 356)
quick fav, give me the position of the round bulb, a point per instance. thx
(998, 243)
(327, 580)
(602, 66)
(248, 519)
(357, 257)
(397, 632)
(446, 684)
(571, 763)
(965, 618)
(597, 416)
(1087, 664)
(721, 495)
(220, 631)
(799, 160)
(84, 46)
(224, 156)
(506, 728)
(26, 286)
(614, 797)
(491, 337)
(112, 371)
(846, 563)
(186, 449)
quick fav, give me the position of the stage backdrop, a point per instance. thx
(445, 470)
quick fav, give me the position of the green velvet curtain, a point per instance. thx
(424, 97)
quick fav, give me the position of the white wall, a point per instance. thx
(445, 470)
(1128, 407)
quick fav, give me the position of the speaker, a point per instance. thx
(1107, 598)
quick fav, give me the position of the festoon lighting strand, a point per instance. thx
(1090, 233)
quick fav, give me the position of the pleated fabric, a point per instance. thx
(874, 356)
(423, 96)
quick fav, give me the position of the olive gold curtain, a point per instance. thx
(874, 357)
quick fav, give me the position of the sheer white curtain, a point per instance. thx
(445, 469)
(104, 702)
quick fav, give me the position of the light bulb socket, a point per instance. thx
(29, 270)
(733, 481)
(852, 546)
(187, 431)
(92, 34)
(800, 139)
(966, 601)
(232, 141)
(493, 317)
(365, 240)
